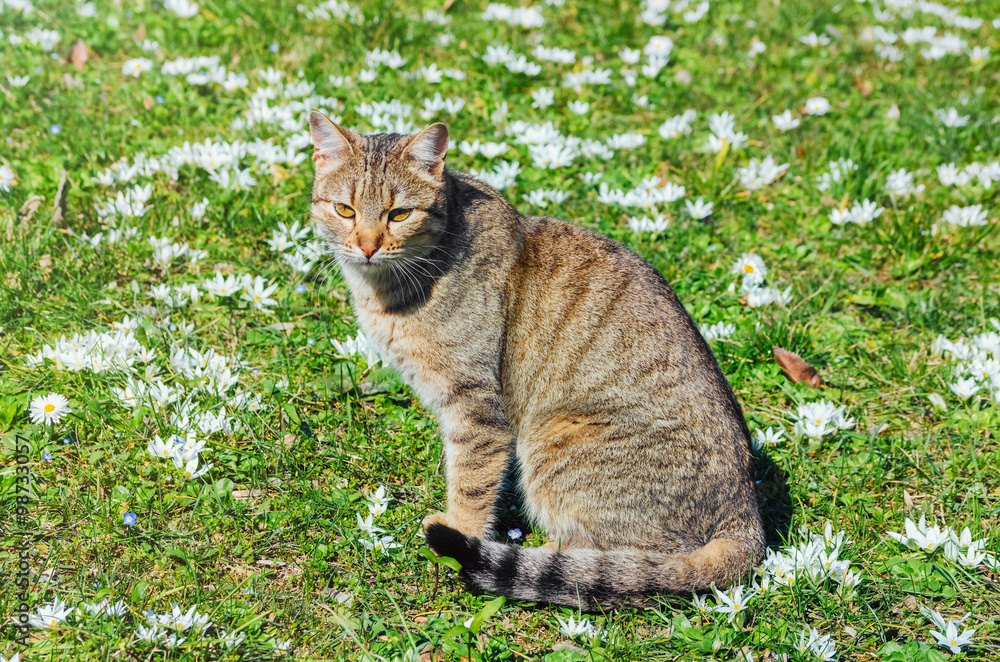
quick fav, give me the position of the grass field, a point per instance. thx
(234, 475)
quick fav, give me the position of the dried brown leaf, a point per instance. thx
(864, 86)
(246, 494)
(79, 55)
(140, 33)
(797, 369)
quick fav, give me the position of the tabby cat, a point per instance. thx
(552, 348)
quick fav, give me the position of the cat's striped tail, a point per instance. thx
(588, 578)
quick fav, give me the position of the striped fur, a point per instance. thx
(543, 345)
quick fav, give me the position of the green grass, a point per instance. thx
(267, 542)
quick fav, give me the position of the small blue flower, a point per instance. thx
(128, 519)
(514, 534)
(134, 122)
(67, 440)
(173, 327)
(311, 341)
(273, 48)
(129, 14)
(299, 289)
(256, 371)
(46, 455)
(159, 100)
(96, 584)
(56, 128)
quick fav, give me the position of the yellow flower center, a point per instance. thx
(748, 268)
(187, 473)
(49, 408)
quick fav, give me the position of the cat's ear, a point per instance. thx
(427, 149)
(332, 143)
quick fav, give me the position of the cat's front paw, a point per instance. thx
(436, 518)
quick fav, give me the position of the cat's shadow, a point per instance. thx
(775, 500)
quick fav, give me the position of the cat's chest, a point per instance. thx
(406, 344)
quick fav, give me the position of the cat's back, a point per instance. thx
(593, 313)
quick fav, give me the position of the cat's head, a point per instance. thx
(378, 198)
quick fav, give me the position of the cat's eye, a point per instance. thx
(344, 210)
(399, 214)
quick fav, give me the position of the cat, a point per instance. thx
(543, 345)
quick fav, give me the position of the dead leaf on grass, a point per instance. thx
(797, 368)
(79, 55)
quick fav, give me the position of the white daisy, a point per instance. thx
(49, 409)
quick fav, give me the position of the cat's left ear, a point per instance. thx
(428, 148)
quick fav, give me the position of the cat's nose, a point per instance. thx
(368, 249)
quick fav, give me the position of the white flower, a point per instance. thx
(157, 447)
(183, 8)
(136, 66)
(899, 183)
(49, 409)
(759, 174)
(965, 216)
(818, 419)
(920, 536)
(543, 98)
(658, 47)
(6, 178)
(718, 330)
(232, 639)
(630, 55)
(151, 633)
(578, 107)
(824, 648)
(367, 525)
(191, 470)
(383, 544)
(951, 639)
(817, 106)
(51, 614)
(965, 387)
(258, 295)
(645, 224)
(764, 438)
(224, 287)
(677, 125)
(785, 121)
(732, 602)
(574, 628)
(951, 118)
(18, 81)
(699, 208)
(751, 267)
